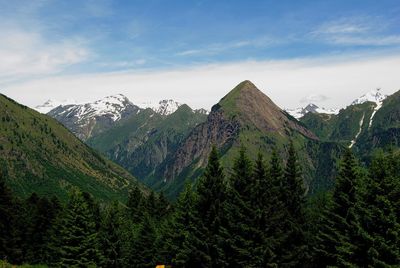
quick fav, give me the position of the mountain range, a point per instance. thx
(165, 144)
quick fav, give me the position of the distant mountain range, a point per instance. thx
(89, 119)
(166, 143)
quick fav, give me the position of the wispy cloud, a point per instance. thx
(356, 31)
(314, 98)
(28, 53)
(216, 48)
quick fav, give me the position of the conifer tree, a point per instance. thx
(8, 244)
(239, 232)
(377, 240)
(111, 236)
(144, 252)
(267, 218)
(78, 243)
(294, 248)
(135, 203)
(333, 240)
(211, 195)
(186, 244)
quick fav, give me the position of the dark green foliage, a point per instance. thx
(111, 236)
(239, 231)
(8, 219)
(78, 242)
(294, 247)
(335, 229)
(255, 217)
(144, 248)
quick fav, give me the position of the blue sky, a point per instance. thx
(46, 39)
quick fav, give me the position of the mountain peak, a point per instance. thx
(310, 108)
(248, 104)
(244, 94)
(374, 95)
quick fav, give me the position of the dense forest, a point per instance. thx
(257, 214)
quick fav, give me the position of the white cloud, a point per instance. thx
(27, 53)
(340, 78)
(314, 98)
(359, 31)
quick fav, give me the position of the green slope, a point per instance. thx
(142, 142)
(342, 127)
(39, 154)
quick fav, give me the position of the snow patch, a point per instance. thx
(163, 107)
(358, 133)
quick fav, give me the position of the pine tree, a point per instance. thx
(239, 232)
(8, 233)
(78, 243)
(135, 203)
(144, 252)
(185, 247)
(294, 248)
(267, 214)
(333, 241)
(211, 195)
(377, 240)
(40, 216)
(111, 236)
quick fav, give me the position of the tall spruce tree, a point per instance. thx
(78, 241)
(144, 252)
(8, 218)
(179, 221)
(334, 237)
(294, 248)
(267, 214)
(377, 240)
(111, 236)
(211, 195)
(239, 231)
(136, 203)
(186, 245)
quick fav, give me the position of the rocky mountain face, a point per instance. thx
(89, 119)
(38, 154)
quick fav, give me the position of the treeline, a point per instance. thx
(255, 215)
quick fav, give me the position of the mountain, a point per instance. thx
(244, 117)
(39, 154)
(144, 141)
(351, 123)
(89, 119)
(310, 108)
(51, 104)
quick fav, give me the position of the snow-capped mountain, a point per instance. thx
(310, 108)
(163, 107)
(51, 104)
(373, 96)
(87, 119)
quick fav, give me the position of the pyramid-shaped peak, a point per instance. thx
(245, 94)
